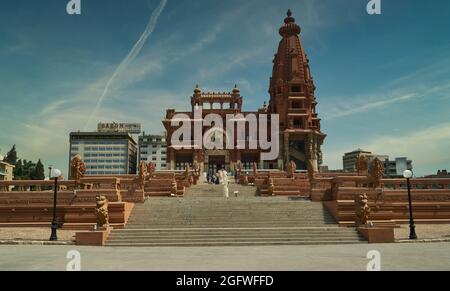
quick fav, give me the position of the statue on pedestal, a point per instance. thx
(142, 172)
(291, 169)
(377, 172)
(174, 188)
(151, 169)
(362, 165)
(101, 211)
(77, 168)
(362, 210)
(271, 187)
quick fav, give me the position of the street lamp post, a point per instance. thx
(55, 174)
(50, 171)
(412, 228)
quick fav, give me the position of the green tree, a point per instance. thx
(18, 170)
(11, 156)
(37, 173)
(24, 170)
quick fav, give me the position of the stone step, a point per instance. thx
(222, 244)
(205, 218)
(231, 239)
(192, 237)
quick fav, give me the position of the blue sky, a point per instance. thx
(383, 82)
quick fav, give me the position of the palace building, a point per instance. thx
(291, 97)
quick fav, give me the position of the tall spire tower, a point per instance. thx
(292, 97)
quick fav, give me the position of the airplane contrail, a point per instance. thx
(130, 57)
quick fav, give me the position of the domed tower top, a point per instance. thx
(290, 27)
(197, 89)
(236, 89)
(291, 85)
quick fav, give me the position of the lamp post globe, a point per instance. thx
(54, 174)
(412, 228)
(408, 174)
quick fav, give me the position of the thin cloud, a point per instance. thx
(130, 57)
(365, 107)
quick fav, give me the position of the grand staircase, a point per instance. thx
(204, 218)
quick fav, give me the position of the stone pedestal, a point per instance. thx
(377, 235)
(93, 238)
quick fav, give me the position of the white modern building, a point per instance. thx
(349, 159)
(153, 149)
(105, 153)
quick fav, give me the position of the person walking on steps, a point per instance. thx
(225, 182)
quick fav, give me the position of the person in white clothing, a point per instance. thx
(224, 176)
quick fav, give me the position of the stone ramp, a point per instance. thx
(211, 220)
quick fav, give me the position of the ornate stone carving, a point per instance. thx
(239, 167)
(196, 168)
(151, 169)
(362, 209)
(77, 168)
(271, 187)
(362, 165)
(101, 211)
(245, 180)
(291, 169)
(174, 188)
(377, 172)
(142, 172)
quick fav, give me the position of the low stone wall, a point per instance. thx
(389, 203)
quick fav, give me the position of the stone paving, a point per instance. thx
(433, 256)
(33, 234)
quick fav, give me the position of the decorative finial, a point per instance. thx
(289, 13)
(197, 89)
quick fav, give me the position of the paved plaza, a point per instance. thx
(396, 257)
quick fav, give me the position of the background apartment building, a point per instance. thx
(6, 170)
(392, 168)
(153, 148)
(105, 153)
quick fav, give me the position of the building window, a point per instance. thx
(296, 89)
(298, 123)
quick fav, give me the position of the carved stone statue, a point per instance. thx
(377, 172)
(142, 172)
(239, 167)
(196, 168)
(77, 168)
(174, 188)
(245, 180)
(271, 187)
(101, 211)
(291, 168)
(362, 165)
(151, 169)
(362, 209)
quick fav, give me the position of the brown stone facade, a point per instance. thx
(291, 97)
